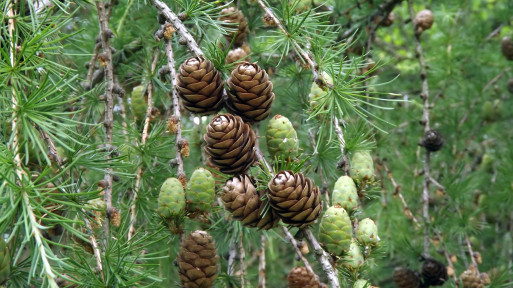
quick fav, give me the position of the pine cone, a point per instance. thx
(433, 272)
(432, 141)
(232, 15)
(281, 138)
(251, 92)
(244, 203)
(362, 166)
(424, 20)
(5, 260)
(507, 48)
(471, 278)
(345, 194)
(197, 260)
(171, 198)
(295, 198)
(353, 259)
(200, 86)
(300, 277)
(235, 55)
(230, 144)
(201, 191)
(336, 231)
(406, 278)
(367, 232)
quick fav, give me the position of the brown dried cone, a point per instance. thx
(295, 198)
(200, 86)
(507, 48)
(244, 202)
(230, 144)
(237, 22)
(300, 277)
(432, 141)
(434, 273)
(423, 20)
(197, 260)
(251, 92)
(406, 278)
(235, 55)
(471, 278)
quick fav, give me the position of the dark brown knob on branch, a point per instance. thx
(432, 141)
(200, 86)
(237, 22)
(406, 278)
(197, 260)
(295, 198)
(507, 48)
(423, 20)
(244, 202)
(300, 277)
(230, 144)
(434, 273)
(251, 92)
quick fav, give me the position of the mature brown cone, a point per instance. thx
(507, 48)
(232, 15)
(471, 278)
(251, 92)
(200, 86)
(295, 198)
(244, 202)
(300, 277)
(230, 144)
(406, 278)
(432, 141)
(197, 260)
(433, 272)
(235, 55)
(424, 20)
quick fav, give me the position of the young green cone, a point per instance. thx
(354, 257)
(200, 191)
(5, 260)
(345, 194)
(367, 232)
(171, 198)
(139, 106)
(361, 283)
(362, 166)
(336, 231)
(281, 138)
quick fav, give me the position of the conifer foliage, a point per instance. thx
(256, 143)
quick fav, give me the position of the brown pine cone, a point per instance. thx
(295, 198)
(236, 55)
(433, 272)
(432, 141)
(197, 260)
(235, 20)
(423, 20)
(507, 48)
(406, 278)
(471, 278)
(300, 277)
(200, 86)
(251, 92)
(230, 144)
(244, 203)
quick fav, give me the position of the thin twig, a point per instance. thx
(178, 26)
(92, 65)
(471, 252)
(289, 237)
(144, 137)
(95, 246)
(106, 34)
(425, 121)
(324, 259)
(52, 151)
(261, 262)
(447, 256)
(342, 143)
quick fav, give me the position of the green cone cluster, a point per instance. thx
(353, 259)
(281, 138)
(345, 194)
(200, 191)
(5, 260)
(362, 166)
(336, 231)
(367, 232)
(171, 198)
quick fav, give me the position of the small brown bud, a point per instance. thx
(102, 184)
(304, 247)
(115, 217)
(169, 30)
(423, 20)
(172, 124)
(183, 179)
(182, 41)
(268, 20)
(102, 58)
(184, 147)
